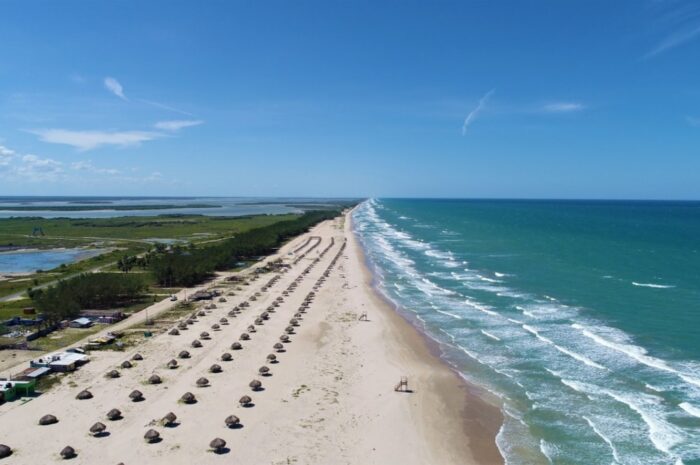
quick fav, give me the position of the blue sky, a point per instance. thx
(564, 99)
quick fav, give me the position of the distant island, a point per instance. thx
(73, 208)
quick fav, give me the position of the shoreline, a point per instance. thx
(328, 399)
(481, 419)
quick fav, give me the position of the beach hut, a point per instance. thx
(264, 371)
(217, 445)
(215, 368)
(272, 358)
(155, 379)
(137, 357)
(5, 451)
(202, 382)
(48, 420)
(245, 337)
(151, 436)
(113, 374)
(84, 395)
(184, 354)
(169, 419)
(255, 385)
(68, 453)
(188, 398)
(236, 346)
(126, 364)
(245, 401)
(196, 344)
(172, 364)
(278, 347)
(97, 429)
(232, 421)
(136, 396)
(114, 415)
(226, 357)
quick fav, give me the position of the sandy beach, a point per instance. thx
(329, 399)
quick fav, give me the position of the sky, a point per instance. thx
(515, 99)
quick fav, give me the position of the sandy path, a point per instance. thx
(329, 400)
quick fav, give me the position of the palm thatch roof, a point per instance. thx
(217, 444)
(272, 358)
(263, 370)
(126, 364)
(202, 382)
(155, 379)
(114, 414)
(188, 398)
(289, 329)
(284, 338)
(137, 357)
(172, 364)
(5, 451)
(223, 321)
(174, 332)
(48, 420)
(255, 385)
(236, 346)
(278, 347)
(196, 344)
(169, 419)
(151, 435)
(184, 354)
(215, 327)
(136, 395)
(258, 321)
(226, 357)
(113, 374)
(182, 325)
(215, 368)
(245, 337)
(98, 428)
(245, 400)
(232, 421)
(204, 335)
(68, 452)
(84, 395)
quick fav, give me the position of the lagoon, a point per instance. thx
(28, 261)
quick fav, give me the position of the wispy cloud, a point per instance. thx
(115, 87)
(28, 168)
(471, 117)
(563, 107)
(165, 107)
(176, 125)
(88, 140)
(679, 22)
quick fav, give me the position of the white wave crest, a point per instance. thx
(655, 286)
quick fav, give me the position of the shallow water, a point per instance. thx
(581, 316)
(31, 260)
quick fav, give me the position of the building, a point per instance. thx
(81, 323)
(61, 361)
(12, 389)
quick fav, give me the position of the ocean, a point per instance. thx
(582, 317)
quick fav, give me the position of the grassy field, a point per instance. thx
(126, 235)
(68, 232)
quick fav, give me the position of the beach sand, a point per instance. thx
(329, 400)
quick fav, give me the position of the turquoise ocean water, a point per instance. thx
(583, 317)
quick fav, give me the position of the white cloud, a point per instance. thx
(563, 107)
(176, 125)
(115, 87)
(164, 107)
(86, 165)
(29, 168)
(88, 140)
(471, 117)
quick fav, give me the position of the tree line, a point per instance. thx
(65, 299)
(190, 266)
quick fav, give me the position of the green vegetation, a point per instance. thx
(65, 299)
(68, 232)
(190, 266)
(78, 208)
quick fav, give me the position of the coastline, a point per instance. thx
(478, 419)
(330, 397)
